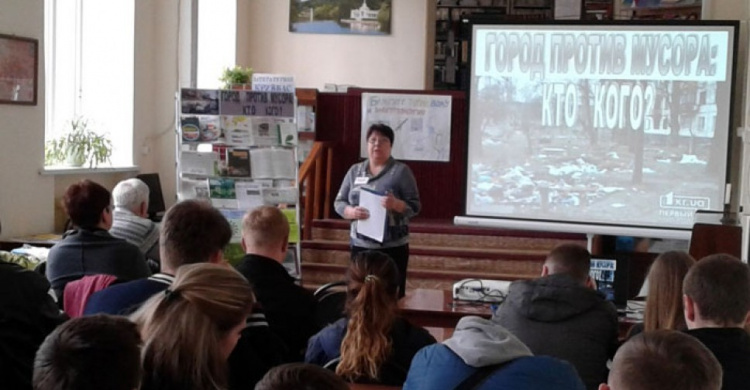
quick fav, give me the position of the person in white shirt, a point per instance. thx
(130, 220)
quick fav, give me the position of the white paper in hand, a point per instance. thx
(374, 226)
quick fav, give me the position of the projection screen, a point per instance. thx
(603, 128)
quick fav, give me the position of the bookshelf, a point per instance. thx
(238, 149)
(453, 34)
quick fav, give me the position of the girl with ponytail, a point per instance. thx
(191, 328)
(373, 344)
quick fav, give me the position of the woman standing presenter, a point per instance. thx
(382, 173)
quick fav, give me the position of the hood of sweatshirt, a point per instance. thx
(552, 298)
(480, 342)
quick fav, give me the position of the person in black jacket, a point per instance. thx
(663, 359)
(289, 308)
(28, 313)
(562, 315)
(716, 302)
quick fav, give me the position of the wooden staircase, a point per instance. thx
(440, 253)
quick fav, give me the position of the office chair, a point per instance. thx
(331, 299)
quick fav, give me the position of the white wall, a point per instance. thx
(26, 198)
(395, 61)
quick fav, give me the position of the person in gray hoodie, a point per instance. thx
(483, 355)
(562, 315)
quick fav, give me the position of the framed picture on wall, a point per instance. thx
(359, 17)
(19, 60)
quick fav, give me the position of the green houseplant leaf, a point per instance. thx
(236, 75)
(78, 145)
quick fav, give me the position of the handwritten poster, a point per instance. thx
(421, 124)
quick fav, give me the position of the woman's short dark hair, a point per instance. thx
(84, 202)
(385, 130)
(299, 376)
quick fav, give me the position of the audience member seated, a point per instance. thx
(664, 301)
(663, 359)
(297, 376)
(190, 330)
(289, 308)
(28, 313)
(717, 301)
(373, 343)
(192, 232)
(483, 355)
(562, 315)
(90, 353)
(89, 249)
(130, 216)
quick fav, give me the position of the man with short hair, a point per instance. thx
(663, 359)
(716, 300)
(289, 308)
(192, 232)
(130, 216)
(88, 353)
(562, 315)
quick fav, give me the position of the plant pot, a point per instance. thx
(75, 159)
(244, 87)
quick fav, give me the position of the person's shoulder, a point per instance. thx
(122, 297)
(21, 278)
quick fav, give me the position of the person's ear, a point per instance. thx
(591, 283)
(689, 307)
(143, 209)
(545, 270)
(243, 245)
(604, 386)
(285, 245)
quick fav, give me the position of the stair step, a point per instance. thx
(434, 234)
(443, 251)
(318, 274)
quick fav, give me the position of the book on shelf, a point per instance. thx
(249, 194)
(280, 195)
(193, 189)
(291, 216)
(234, 217)
(222, 192)
(238, 162)
(287, 134)
(272, 163)
(199, 163)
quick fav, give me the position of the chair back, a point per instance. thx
(331, 299)
(78, 292)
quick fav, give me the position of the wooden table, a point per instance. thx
(436, 308)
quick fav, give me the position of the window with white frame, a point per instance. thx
(89, 68)
(217, 40)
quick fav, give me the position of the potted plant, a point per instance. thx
(236, 76)
(78, 145)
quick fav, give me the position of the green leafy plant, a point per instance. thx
(236, 75)
(78, 145)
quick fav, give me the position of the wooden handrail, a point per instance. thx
(315, 183)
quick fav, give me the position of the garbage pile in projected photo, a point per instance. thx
(603, 148)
